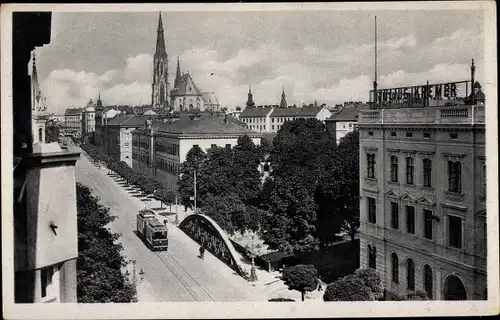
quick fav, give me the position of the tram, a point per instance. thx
(152, 231)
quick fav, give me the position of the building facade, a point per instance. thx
(280, 115)
(88, 118)
(423, 199)
(341, 123)
(118, 136)
(45, 231)
(160, 148)
(257, 119)
(73, 121)
(161, 86)
(210, 101)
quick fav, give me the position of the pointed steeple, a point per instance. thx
(160, 39)
(34, 80)
(283, 103)
(178, 74)
(250, 102)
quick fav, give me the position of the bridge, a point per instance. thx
(204, 229)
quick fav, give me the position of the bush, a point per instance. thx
(372, 280)
(349, 288)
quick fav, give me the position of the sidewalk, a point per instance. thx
(268, 284)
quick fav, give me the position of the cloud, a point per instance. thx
(307, 73)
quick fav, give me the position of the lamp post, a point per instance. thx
(176, 211)
(195, 191)
(253, 274)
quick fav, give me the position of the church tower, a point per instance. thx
(161, 86)
(250, 102)
(283, 100)
(38, 107)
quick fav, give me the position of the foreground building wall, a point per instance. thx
(423, 199)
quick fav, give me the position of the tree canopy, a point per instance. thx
(348, 288)
(301, 277)
(99, 264)
(194, 160)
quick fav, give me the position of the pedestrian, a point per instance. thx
(165, 222)
(202, 251)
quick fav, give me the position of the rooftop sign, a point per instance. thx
(451, 93)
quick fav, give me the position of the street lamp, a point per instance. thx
(253, 274)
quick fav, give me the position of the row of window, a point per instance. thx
(454, 222)
(169, 148)
(167, 166)
(425, 135)
(410, 271)
(454, 172)
(410, 171)
(144, 144)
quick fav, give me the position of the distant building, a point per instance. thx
(250, 103)
(160, 148)
(423, 192)
(73, 121)
(257, 119)
(44, 191)
(210, 101)
(186, 96)
(341, 123)
(118, 136)
(88, 118)
(280, 115)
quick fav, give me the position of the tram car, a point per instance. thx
(153, 232)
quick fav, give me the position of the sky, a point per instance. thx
(323, 56)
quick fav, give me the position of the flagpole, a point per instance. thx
(375, 98)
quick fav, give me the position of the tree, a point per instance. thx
(350, 226)
(194, 161)
(298, 160)
(372, 281)
(348, 288)
(301, 277)
(217, 175)
(246, 176)
(99, 264)
(51, 131)
(164, 195)
(338, 194)
(228, 211)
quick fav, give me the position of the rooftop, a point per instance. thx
(128, 121)
(346, 114)
(73, 111)
(203, 125)
(254, 112)
(296, 112)
(183, 87)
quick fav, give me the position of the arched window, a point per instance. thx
(454, 176)
(427, 164)
(428, 281)
(410, 274)
(394, 168)
(372, 257)
(40, 134)
(454, 289)
(410, 170)
(395, 268)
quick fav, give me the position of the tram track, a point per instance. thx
(190, 285)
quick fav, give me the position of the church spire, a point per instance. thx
(283, 103)
(34, 80)
(160, 39)
(178, 74)
(250, 102)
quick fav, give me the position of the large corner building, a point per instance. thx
(423, 190)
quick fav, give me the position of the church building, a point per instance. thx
(186, 96)
(161, 87)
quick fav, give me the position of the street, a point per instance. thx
(174, 275)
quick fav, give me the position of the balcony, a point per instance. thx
(471, 115)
